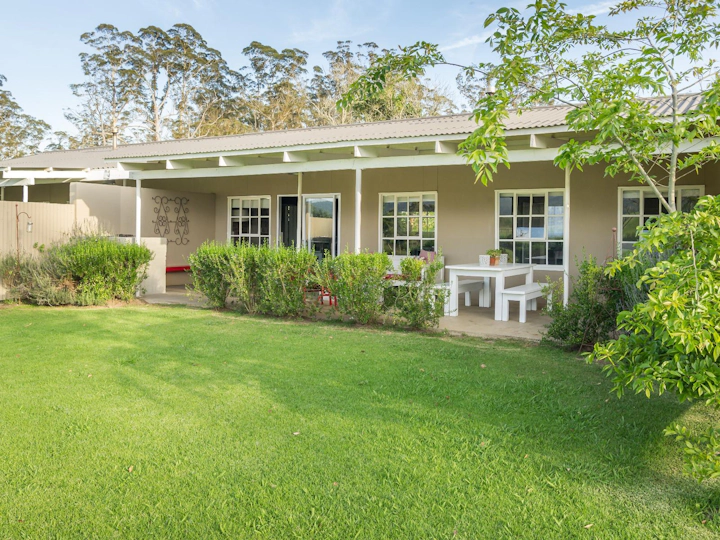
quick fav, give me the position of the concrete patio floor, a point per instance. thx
(471, 321)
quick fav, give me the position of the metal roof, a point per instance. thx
(460, 125)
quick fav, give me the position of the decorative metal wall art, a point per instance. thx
(180, 225)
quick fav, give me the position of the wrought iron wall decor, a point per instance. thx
(180, 225)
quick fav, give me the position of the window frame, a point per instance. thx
(397, 194)
(535, 191)
(641, 213)
(230, 217)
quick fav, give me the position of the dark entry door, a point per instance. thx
(288, 220)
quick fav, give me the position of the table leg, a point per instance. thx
(529, 277)
(485, 293)
(453, 294)
(499, 288)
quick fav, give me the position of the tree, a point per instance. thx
(111, 87)
(399, 98)
(20, 133)
(554, 56)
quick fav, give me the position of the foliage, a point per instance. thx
(589, 316)
(20, 133)
(283, 275)
(85, 270)
(672, 341)
(701, 451)
(561, 57)
(419, 302)
(210, 268)
(358, 281)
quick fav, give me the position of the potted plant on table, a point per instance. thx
(494, 256)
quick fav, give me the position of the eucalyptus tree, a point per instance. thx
(551, 55)
(20, 133)
(108, 93)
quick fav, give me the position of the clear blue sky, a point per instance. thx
(40, 38)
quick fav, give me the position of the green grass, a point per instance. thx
(246, 427)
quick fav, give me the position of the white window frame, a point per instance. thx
(397, 194)
(539, 191)
(644, 190)
(230, 218)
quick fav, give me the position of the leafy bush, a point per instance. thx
(209, 269)
(86, 270)
(419, 303)
(672, 340)
(358, 282)
(589, 316)
(283, 274)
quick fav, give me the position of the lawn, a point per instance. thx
(143, 422)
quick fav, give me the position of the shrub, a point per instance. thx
(213, 269)
(419, 303)
(589, 316)
(283, 274)
(85, 270)
(358, 280)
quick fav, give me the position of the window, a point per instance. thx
(531, 226)
(408, 223)
(250, 220)
(639, 206)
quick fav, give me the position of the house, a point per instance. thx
(394, 186)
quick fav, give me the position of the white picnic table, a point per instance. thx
(499, 272)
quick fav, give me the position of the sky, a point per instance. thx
(40, 38)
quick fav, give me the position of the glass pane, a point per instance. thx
(254, 241)
(428, 227)
(235, 203)
(235, 228)
(264, 207)
(414, 206)
(506, 227)
(253, 226)
(688, 199)
(629, 229)
(235, 212)
(245, 210)
(265, 226)
(538, 205)
(246, 203)
(414, 247)
(539, 253)
(523, 227)
(428, 245)
(402, 206)
(388, 227)
(254, 210)
(538, 227)
(246, 226)
(555, 228)
(428, 205)
(506, 205)
(400, 247)
(626, 248)
(555, 203)
(388, 246)
(522, 252)
(414, 226)
(523, 205)
(388, 205)
(555, 253)
(507, 248)
(402, 227)
(631, 203)
(652, 206)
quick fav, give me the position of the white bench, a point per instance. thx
(522, 293)
(469, 286)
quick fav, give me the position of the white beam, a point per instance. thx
(300, 211)
(230, 161)
(358, 208)
(138, 210)
(175, 164)
(45, 175)
(2, 193)
(132, 166)
(294, 157)
(25, 193)
(365, 152)
(10, 182)
(566, 240)
(445, 147)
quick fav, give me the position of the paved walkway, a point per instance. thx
(471, 321)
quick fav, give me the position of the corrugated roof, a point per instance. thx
(459, 124)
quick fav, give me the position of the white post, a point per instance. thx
(138, 210)
(300, 211)
(2, 193)
(358, 205)
(566, 240)
(25, 194)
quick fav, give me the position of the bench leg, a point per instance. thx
(523, 310)
(533, 304)
(467, 299)
(506, 309)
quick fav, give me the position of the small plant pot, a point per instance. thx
(494, 261)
